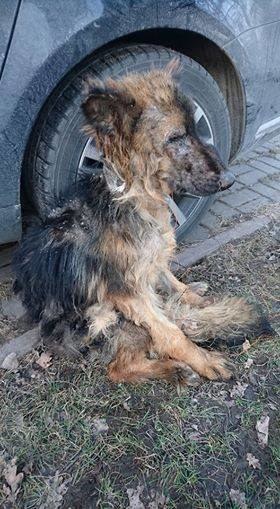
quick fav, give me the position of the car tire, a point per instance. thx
(53, 158)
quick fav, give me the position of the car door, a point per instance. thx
(8, 15)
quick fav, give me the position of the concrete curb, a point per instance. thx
(5, 273)
(12, 308)
(20, 345)
(191, 255)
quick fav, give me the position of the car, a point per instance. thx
(230, 66)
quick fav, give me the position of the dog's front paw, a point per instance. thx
(198, 287)
(217, 366)
(196, 300)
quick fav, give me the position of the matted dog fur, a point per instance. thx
(97, 269)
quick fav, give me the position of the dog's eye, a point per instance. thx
(175, 138)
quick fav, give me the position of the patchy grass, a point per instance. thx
(8, 328)
(83, 442)
(6, 289)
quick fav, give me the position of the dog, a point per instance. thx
(99, 265)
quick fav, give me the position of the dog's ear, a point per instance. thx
(109, 109)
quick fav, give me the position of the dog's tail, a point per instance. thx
(232, 320)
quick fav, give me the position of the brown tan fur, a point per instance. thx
(114, 240)
(130, 351)
(144, 168)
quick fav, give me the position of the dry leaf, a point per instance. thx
(253, 461)
(238, 389)
(10, 362)
(44, 360)
(248, 363)
(134, 498)
(13, 480)
(28, 467)
(253, 378)
(56, 489)
(159, 501)
(126, 405)
(238, 498)
(99, 426)
(196, 436)
(262, 430)
(246, 345)
(229, 403)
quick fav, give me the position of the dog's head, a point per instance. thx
(146, 129)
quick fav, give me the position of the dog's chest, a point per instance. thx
(136, 248)
(153, 253)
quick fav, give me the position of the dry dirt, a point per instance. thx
(82, 442)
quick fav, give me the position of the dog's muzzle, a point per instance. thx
(227, 179)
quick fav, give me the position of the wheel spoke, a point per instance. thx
(91, 151)
(198, 114)
(90, 158)
(176, 211)
(190, 195)
(205, 134)
(208, 140)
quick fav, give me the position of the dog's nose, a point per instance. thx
(227, 179)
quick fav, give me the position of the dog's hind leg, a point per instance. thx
(131, 362)
(134, 368)
(169, 341)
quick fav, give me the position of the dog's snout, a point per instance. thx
(227, 179)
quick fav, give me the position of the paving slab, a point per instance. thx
(254, 205)
(275, 184)
(235, 200)
(198, 233)
(266, 191)
(224, 210)
(239, 169)
(250, 178)
(210, 220)
(263, 165)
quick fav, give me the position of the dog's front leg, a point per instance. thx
(169, 341)
(191, 294)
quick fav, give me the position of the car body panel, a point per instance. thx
(50, 38)
(260, 71)
(8, 16)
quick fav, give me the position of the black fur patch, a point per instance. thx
(59, 264)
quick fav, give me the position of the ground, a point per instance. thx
(8, 328)
(82, 442)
